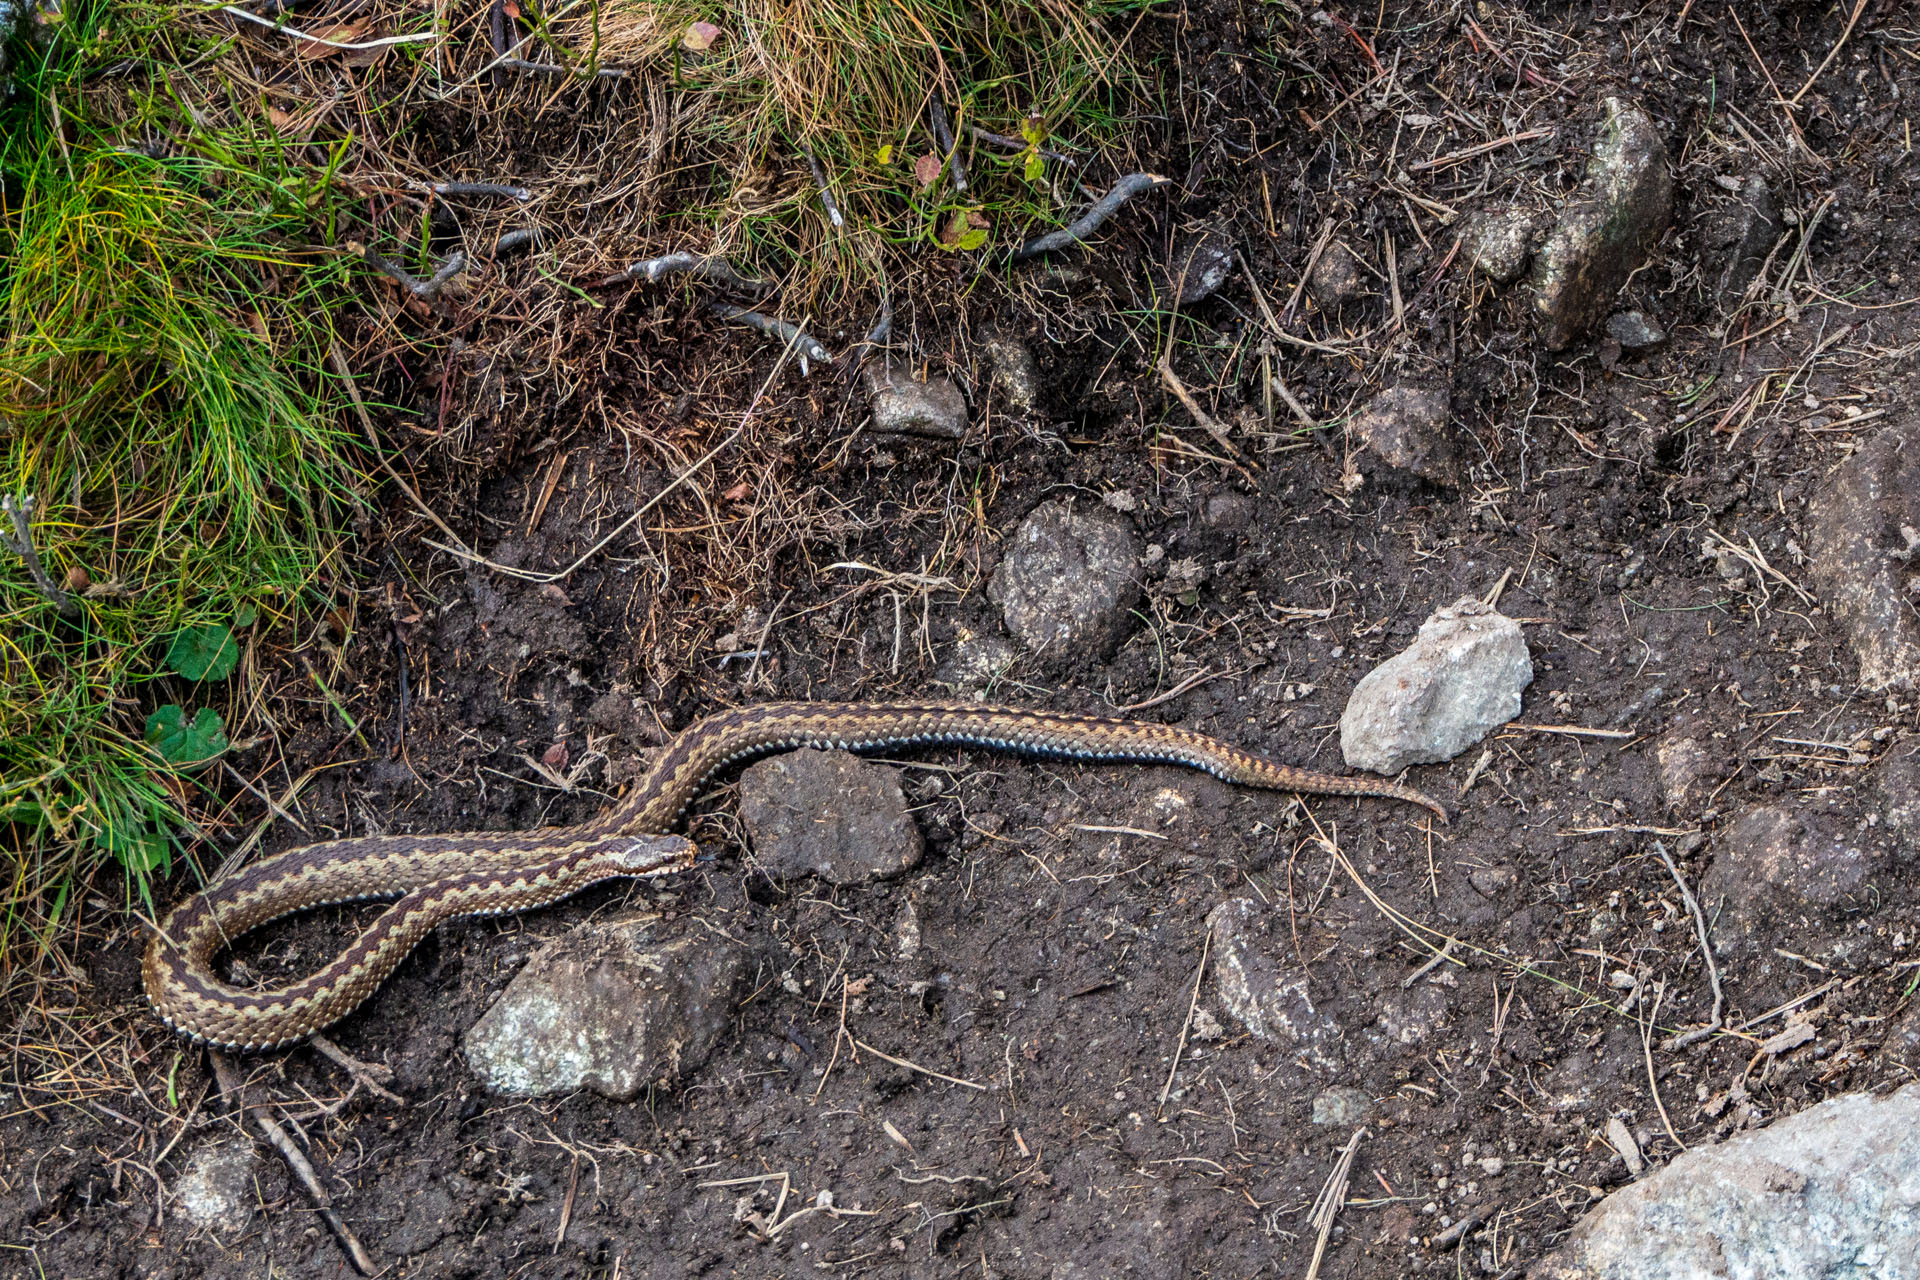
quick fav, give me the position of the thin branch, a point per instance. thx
(1089, 222)
(834, 215)
(708, 267)
(18, 509)
(1718, 1020)
(944, 139)
(801, 341)
(297, 1163)
(296, 33)
(1005, 143)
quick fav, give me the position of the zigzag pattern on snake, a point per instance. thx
(438, 877)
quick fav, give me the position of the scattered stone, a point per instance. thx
(1690, 769)
(1635, 332)
(1460, 680)
(1336, 278)
(1015, 374)
(1738, 239)
(215, 1191)
(906, 405)
(1864, 538)
(1897, 780)
(1408, 1018)
(1342, 1105)
(1200, 264)
(830, 814)
(1069, 580)
(976, 661)
(1793, 857)
(906, 932)
(1606, 231)
(611, 1008)
(1825, 1194)
(1410, 427)
(1499, 242)
(1264, 988)
(1231, 511)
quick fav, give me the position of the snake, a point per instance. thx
(435, 878)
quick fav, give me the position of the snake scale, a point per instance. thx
(437, 877)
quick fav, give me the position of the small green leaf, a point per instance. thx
(180, 743)
(245, 616)
(1036, 167)
(973, 239)
(886, 155)
(204, 653)
(1034, 130)
(141, 850)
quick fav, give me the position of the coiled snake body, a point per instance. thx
(438, 877)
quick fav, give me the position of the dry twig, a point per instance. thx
(20, 541)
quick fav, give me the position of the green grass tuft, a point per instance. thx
(163, 403)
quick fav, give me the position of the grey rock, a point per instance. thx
(25, 23)
(1200, 264)
(215, 1190)
(976, 661)
(1607, 230)
(1459, 680)
(1336, 278)
(1738, 239)
(612, 1007)
(1864, 538)
(1015, 374)
(1070, 577)
(1896, 781)
(1499, 242)
(1408, 1018)
(1263, 987)
(1341, 1105)
(1690, 768)
(830, 814)
(1827, 1194)
(1635, 332)
(1409, 427)
(906, 405)
(1792, 857)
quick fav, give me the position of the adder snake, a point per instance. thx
(438, 877)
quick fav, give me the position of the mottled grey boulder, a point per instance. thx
(1263, 987)
(1863, 532)
(1459, 680)
(611, 1007)
(1832, 1193)
(830, 814)
(1410, 427)
(215, 1190)
(1607, 230)
(1070, 579)
(905, 405)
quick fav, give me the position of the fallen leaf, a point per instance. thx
(557, 755)
(738, 493)
(340, 33)
(555, 593)
(700, 37)
(926, 169)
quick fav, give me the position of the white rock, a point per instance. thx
(215, 1190)
(611, 1009)
(1829, 1193)
(1460, 680)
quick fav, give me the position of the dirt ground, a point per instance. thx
(1057, 965)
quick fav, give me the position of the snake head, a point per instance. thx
(651, 855)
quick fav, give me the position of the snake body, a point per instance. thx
(437, 877)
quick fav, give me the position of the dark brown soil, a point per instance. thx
(1057, 964)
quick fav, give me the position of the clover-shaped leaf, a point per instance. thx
(140, 849)
(205, 652)
(181, 743)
